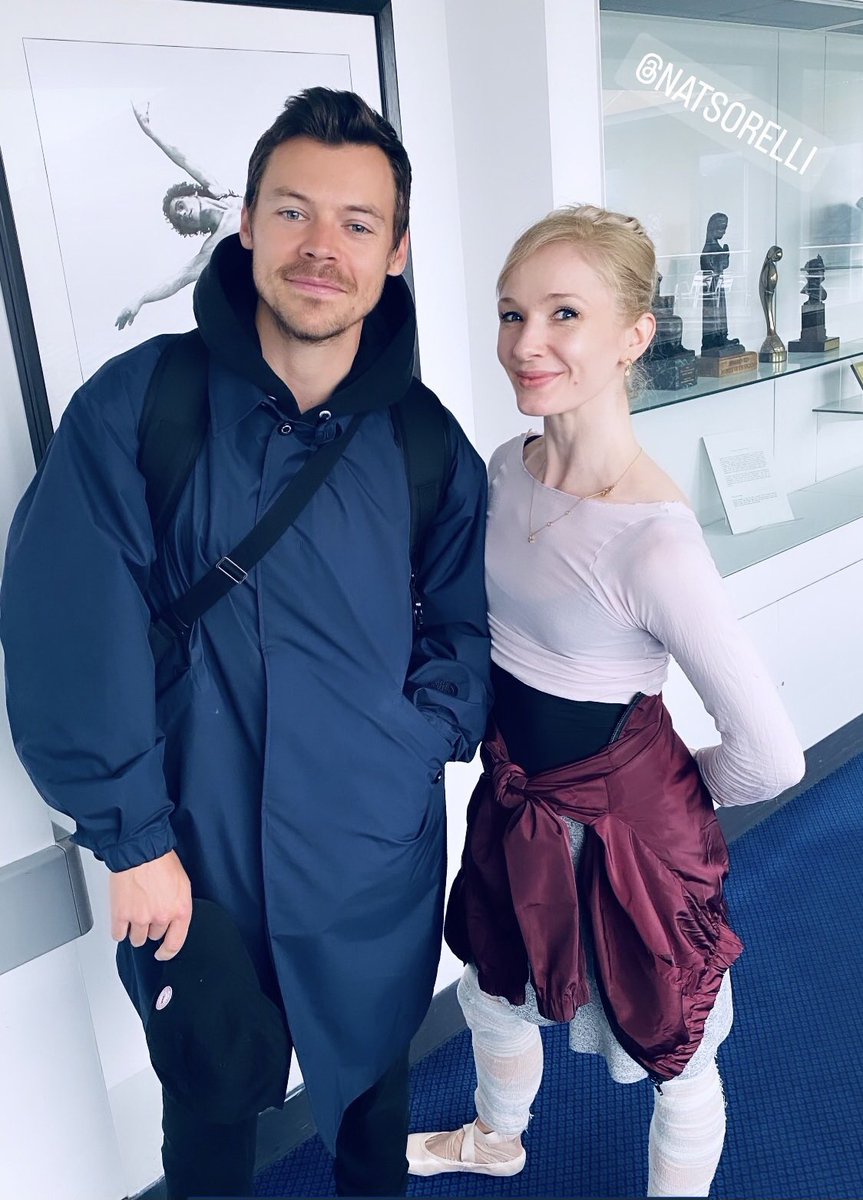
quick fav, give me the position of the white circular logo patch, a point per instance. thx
(164, 998)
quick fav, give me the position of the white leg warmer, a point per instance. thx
(508, 1055)
(687, 1131)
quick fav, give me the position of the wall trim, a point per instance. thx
(280, 1132)
(47, 892)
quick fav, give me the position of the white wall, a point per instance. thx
(24, 823)
(498, 73)
(525, 92)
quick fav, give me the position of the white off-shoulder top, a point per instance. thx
(594, 607)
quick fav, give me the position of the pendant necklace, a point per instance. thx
(532, 533)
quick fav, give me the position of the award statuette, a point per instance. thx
(667, 363)
(772, 348)
(720, 355)
(813, 331)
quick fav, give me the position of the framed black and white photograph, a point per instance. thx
(125, 133)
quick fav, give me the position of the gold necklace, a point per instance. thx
(531, 533)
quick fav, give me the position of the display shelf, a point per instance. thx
(818, 509)
(708, 385)
(842, 408)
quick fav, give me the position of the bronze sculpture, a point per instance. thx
(772, 348)
(667, 363)
(813, 332)
(720, 354)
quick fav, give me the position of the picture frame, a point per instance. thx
(82, 237)
(857, 369)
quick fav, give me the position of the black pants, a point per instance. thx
(203, 1159)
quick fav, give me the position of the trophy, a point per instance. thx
(667, 363)
(720, 355)
(772, 348)
(813, 331)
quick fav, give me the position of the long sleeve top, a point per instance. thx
(594, 608)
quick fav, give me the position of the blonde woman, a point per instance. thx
(591, 888)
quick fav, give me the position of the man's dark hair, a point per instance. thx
(335, 119)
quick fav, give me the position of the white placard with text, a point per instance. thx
(742, 465)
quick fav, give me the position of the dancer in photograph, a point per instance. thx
(201, 209)
(591, 886)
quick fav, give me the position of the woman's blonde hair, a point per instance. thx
(616, 246)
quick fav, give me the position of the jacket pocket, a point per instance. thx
(424, 738)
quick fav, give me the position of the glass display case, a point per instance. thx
(765, 126)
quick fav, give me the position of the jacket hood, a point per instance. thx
(225, 302)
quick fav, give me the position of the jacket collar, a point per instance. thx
(225, 301)
(233, 398)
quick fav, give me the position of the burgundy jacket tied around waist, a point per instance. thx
(649, 886)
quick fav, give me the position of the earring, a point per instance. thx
(627, 370)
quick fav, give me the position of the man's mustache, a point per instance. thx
(325, 274)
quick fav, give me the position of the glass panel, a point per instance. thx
(787, 173)
(673, 170)
(817, 510)
(821, 82)
(707, 385)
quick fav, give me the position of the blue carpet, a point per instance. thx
(792, 1067)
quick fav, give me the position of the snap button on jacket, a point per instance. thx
(649, 883)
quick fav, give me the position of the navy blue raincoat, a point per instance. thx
(295, 763)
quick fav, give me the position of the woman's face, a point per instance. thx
(561, 340)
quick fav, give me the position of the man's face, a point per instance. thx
(321, 236)
(186, 213)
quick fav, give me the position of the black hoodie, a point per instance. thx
(225, 305)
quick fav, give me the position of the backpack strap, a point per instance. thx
(233, 567)
(173, 425)
(171, 434)
(422, 431)
(175, 418)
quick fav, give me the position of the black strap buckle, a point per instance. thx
(169, 625)
(233, 570)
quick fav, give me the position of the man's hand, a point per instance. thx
(152, 901)
(127, 316)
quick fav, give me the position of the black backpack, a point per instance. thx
(171, 434)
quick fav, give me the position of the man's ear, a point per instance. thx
(399, 256)
(246, 228)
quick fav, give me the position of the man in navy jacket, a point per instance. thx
(293, 773)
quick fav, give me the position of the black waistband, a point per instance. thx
(543, 731)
